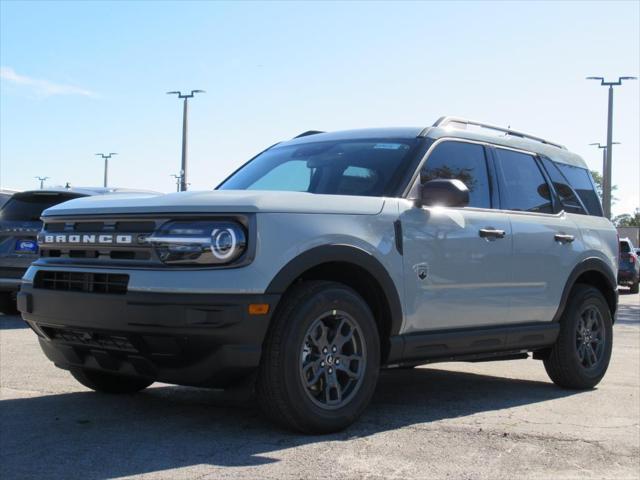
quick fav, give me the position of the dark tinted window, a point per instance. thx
(345, 167)
(568, 197)
(29, 207)
(522, 185)
(4, 198)
(465, 162)
(580, 179)
(625, 247)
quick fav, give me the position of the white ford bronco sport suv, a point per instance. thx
(327, 257)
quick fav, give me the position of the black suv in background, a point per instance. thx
(628, 266)
(19, 226)
(5, 195)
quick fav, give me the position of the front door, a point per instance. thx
(457, 261)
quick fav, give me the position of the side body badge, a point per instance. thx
(422, 270)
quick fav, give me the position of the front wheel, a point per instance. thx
(109, 383)
(581, 354)
(321, 359)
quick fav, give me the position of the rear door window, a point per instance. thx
(522, 185)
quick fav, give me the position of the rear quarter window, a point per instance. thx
(581, 181)
(569, 199)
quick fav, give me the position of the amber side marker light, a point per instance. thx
(258, 308)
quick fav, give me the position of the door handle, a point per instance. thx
(491, 233)
(563, 238)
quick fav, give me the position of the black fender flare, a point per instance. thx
(588, 264)
(341, 253)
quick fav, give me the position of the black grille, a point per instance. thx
(111, 283)
(90, 339)
(138, 252)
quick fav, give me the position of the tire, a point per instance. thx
(8, 304)
(109, 383)
(581, 354)
(634, 287)
(304, 388)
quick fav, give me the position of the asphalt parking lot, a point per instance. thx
(486, 420)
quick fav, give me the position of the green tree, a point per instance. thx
(628, 219)
(597, 179)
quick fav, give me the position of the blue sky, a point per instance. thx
(84, 77)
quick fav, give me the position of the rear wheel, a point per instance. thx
(581, 354)
(634, 287)
(321, 359)
(109, 383)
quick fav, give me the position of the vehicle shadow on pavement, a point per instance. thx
(94, 436)
(10, 322)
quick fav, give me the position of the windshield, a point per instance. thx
(29, 207)
(345, 167)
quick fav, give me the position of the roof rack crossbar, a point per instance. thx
(444, 121)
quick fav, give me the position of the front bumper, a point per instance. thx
(185, 339)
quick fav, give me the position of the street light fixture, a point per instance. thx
(42, 179)
(178, 180)
(106, 157)
(606, 173)
(183, 170)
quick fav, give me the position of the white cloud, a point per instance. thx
(42, 87)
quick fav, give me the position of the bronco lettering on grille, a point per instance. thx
(87, 239)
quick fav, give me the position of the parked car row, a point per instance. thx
(20, 223)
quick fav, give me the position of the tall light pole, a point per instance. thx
(185, 111)
(604, 159)
(606, 174)
(106, 157)
(42, 179)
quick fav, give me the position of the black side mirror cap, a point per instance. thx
(444, 192)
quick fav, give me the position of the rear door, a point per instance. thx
(456, 260)
(546, 241)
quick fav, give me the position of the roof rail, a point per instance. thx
(446, 121)
(308, 132)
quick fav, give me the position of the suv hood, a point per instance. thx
(232, 201)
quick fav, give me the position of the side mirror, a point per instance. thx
(444, 192)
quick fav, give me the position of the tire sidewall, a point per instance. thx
(585, 298)
(334, 297)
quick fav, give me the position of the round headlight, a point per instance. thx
(223, 243)
(199, 242)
